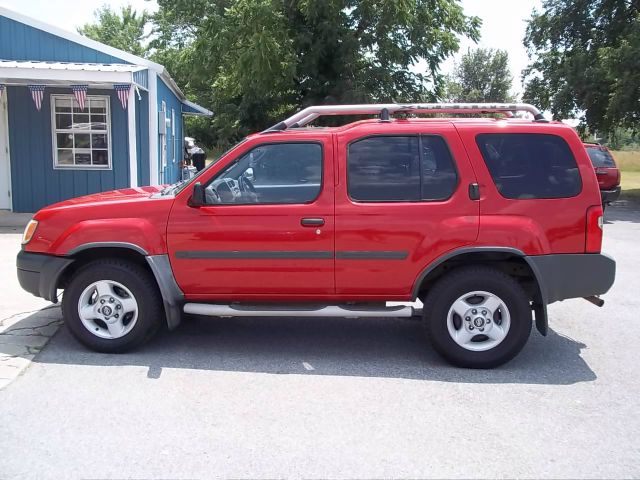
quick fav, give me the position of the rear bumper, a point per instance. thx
(609, 196)
(565, 276)
(39, 274)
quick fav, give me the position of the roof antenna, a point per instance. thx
(384, 115)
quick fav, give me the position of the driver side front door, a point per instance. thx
(271, 234)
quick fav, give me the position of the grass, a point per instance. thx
(629, 164)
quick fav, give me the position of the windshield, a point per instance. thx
(182, 184)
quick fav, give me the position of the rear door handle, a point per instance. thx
(312, 222)
(474, 191)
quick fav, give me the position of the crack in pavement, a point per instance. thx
(10, 317)
(11, 330)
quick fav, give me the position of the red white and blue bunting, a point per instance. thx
(80, 92)
(37, 93)
(123, 93)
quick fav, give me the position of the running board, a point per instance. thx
(215, 310)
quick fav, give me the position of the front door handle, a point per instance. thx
(312, 222)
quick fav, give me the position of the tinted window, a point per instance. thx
(273, 173)
(399, 169)
(439, 176)
(526, 165)
(600, 158)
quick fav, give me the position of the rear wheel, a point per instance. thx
(112, 305)
(477, 317)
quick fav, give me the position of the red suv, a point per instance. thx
(484, 220)
(606, 170)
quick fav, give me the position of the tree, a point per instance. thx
(585, 60)
(124, 30)
(482, 75)
(254, 61)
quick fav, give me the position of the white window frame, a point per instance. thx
(163, 137)
(173, 135)
(55, 131)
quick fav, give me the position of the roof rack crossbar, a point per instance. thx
(309, 114)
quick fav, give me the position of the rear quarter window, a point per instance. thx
(530, 165)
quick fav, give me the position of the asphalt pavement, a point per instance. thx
(335, 398)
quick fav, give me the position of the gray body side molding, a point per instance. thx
(172, 296)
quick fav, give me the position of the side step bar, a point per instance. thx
(215, 310)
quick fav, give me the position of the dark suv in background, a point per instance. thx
(607, 172)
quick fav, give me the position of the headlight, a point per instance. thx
(29, 230)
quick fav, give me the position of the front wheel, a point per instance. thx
(477, 317)
(112, 305)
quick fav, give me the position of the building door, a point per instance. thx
(5, 169)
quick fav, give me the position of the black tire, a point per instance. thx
(470, 279)
(139, 282)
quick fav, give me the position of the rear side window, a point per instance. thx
(600, 158)
(530, 165)
(400, 169)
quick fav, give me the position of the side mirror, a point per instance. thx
(197, 197)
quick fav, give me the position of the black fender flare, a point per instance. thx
(539, 308)
(172, 296)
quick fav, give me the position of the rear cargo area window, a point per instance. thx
(400, 168)
(600, 158)
(530, 165)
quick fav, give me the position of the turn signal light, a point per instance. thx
(593, 237)
(29, 230)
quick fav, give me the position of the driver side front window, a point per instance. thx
(277, 173)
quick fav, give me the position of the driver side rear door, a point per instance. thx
(278, 241)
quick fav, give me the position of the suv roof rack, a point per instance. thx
(309, 114)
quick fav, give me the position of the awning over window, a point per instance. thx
(61, 73)
(190, 108)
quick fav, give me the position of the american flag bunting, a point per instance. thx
(80, 92)
(37, 93)
(123, 93)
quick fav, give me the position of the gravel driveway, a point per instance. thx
(335, 398)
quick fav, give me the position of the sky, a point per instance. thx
(503, 22)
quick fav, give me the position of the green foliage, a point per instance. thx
(482, 75)
(254, 61)
(585, 59)
(124, 30)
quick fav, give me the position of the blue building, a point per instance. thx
(129, 133)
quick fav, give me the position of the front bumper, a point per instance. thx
(609, 196)
(39, 273)
(563, 276)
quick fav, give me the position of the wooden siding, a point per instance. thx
(22, 42)
(35, 183)
(172, 171)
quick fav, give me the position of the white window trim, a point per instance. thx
(173, 134)
(54, 131)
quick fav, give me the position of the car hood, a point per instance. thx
(113, 196)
